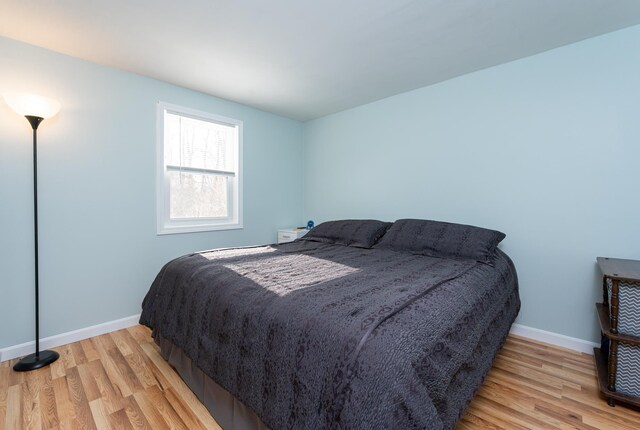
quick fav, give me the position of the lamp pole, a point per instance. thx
(28, 106)
(35, 122)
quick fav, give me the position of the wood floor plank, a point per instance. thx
(572, 366)
(131, 341)
(120, 381)
(57, 369)
(158, 376)
(100, 414)
(121, 343)
(120, 421)
(490, 419)
(472, 420)
(125, 370)
(538, 375)
(89, 350)
(79, 400)
(138, 360)
(106, 341)
(599, 417)
(141, 369)
(78, 353)
(188, 417)
(63, 402)
(48, 408)
(70, 424)
(4, 387)
(140, 333)
(151, 413)
(111, 369)
(510, 414)
(166, 410)
(88, 382)
(31, 417)
(583, 400)
(555, 370)
(15, 378)
(13, 419)
(569, 418)
(111, 399)
(549, 352)
(466, 425)
(529, 346)
(135, 415)
(521, 378)
(66, 356)
(522, 406)
(181, 388)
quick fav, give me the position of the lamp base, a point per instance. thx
(33, 362)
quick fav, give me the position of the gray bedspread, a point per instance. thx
(317, 336)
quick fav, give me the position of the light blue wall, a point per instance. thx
(546, 149)
(98, 242)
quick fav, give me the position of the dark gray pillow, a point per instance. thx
(442, 239)
(362, 233)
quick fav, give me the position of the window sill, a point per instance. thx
(197, 228)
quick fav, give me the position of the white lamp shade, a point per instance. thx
(32, 105)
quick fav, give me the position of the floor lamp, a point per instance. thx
(35, 109)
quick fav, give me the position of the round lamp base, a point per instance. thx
(33, 362)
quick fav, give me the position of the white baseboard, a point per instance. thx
(96, 330)
(68, 337)
(554, 338)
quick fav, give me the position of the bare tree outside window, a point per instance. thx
(201, 168)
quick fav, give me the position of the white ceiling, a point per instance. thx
(305, 59)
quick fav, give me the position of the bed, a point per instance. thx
(361, 325)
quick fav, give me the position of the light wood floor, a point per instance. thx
(119, 380)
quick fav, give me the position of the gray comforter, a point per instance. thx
(318, 336)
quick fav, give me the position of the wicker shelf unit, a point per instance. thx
(619, 316)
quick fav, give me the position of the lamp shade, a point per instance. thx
(32, 105)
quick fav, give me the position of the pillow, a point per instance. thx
(442, 239)
(362, 233)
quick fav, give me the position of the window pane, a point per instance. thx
(193, 195)
(199, 143)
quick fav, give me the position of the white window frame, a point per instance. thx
(166, 225)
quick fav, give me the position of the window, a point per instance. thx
(199, 171)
